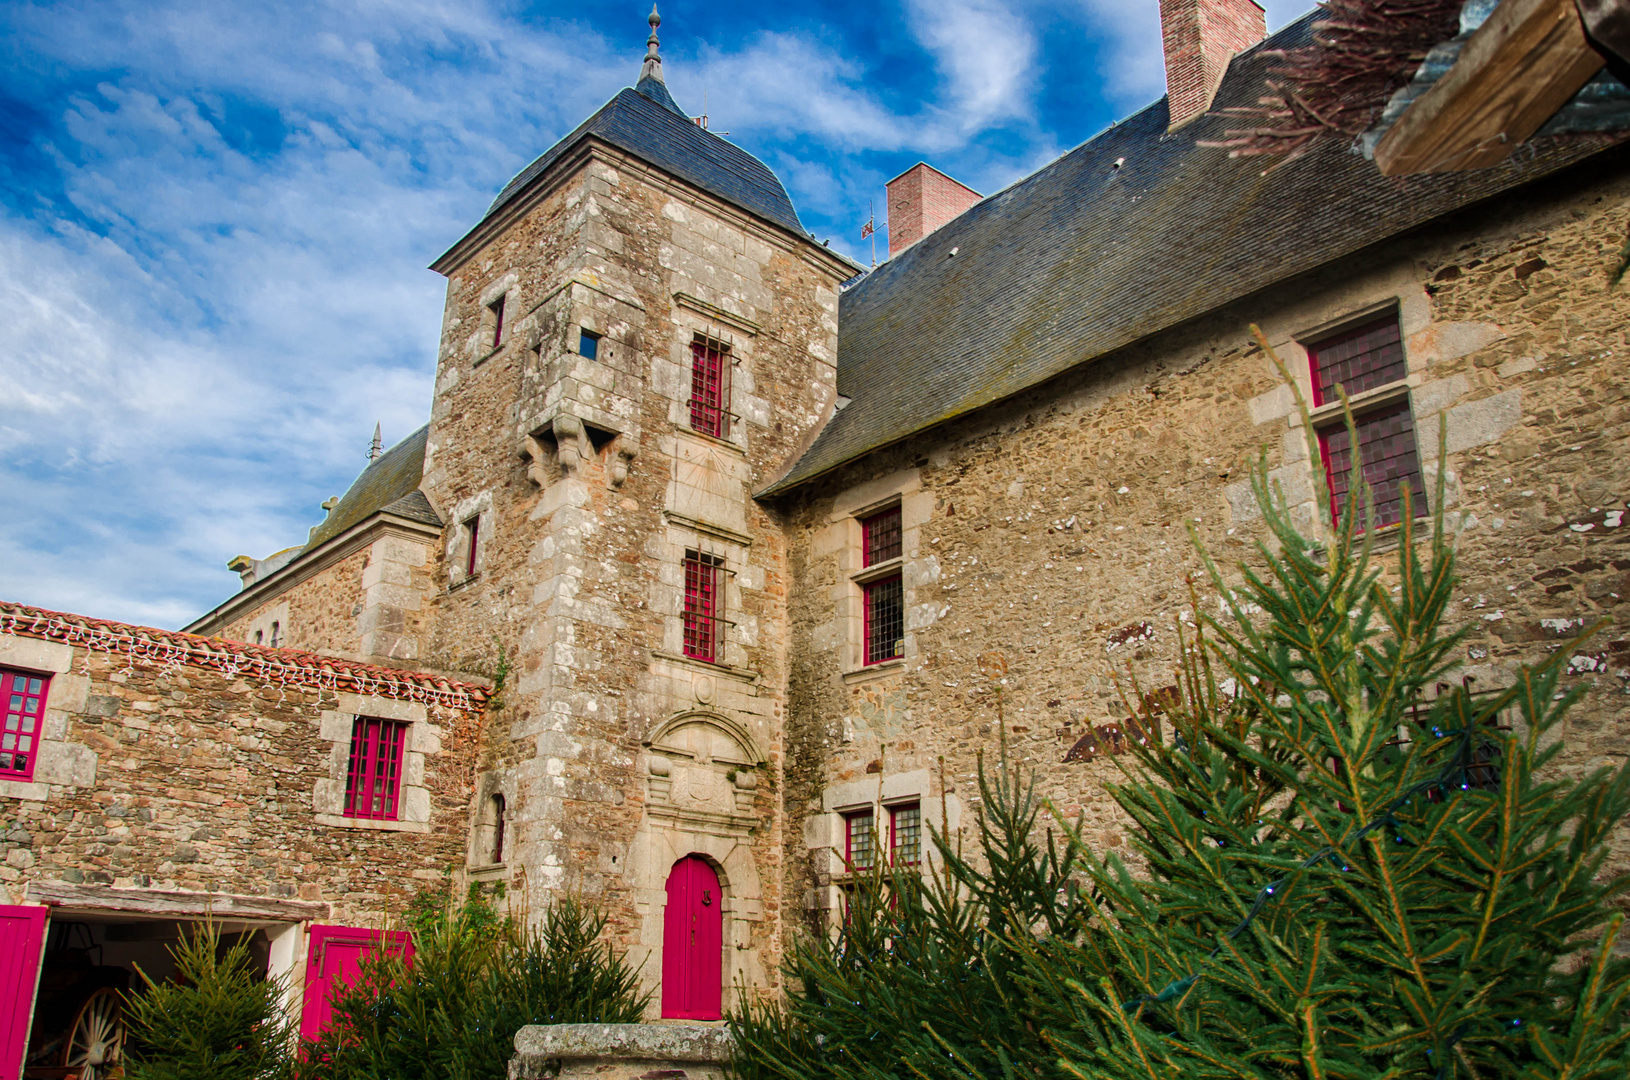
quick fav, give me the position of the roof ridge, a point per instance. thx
(152, 646)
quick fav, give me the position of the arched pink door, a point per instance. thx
(692, 942)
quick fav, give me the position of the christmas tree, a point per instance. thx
(1351, 863)
(1357, 863)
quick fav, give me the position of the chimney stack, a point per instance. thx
(920, 200)
(1201, 36)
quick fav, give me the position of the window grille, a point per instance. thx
(704, 625)
(859, 840)
(373, 781)
(906, 834)
(1359, 359)
(880, 537)
(710, 387)
(22, 698)
(885, 619)
(1386, 444)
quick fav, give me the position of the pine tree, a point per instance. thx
(220, 1017)
(1353, 870)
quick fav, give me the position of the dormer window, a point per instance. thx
(588, 345)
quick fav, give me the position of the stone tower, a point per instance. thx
(638, 335)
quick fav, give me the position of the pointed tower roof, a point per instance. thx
(651, 83)
(645, 121)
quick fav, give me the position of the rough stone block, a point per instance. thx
(1479, 422)
(69, 764)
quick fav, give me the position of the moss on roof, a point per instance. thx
(390, 484)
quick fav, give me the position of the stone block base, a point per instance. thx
(621, 1052)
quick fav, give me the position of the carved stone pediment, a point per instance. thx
(703, 772)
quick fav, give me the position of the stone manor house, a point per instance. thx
(692, 591)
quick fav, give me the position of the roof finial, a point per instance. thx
(376, 449)
(652, 68)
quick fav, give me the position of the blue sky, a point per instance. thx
(215, 220)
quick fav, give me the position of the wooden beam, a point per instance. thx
(157, 903)
(1512, 75)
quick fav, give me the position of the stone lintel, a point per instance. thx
(671, 1042)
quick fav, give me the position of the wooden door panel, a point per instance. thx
(692, 942)
(22, 938)
(333, 962)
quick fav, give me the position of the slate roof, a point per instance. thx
(646, 122)
(1082, 258)
(389, 484)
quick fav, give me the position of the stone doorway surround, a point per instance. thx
(701, 775)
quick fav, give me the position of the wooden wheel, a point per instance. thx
(96, 1040)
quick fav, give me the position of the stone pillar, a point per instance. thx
(621, 1052)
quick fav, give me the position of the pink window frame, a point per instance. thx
(710, 388)
(702, 624)
(869, 625)
(375, 769)
(31, 717)
(894, 832)
(870, 817)
(869, 526)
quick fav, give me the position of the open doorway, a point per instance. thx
(90, 962)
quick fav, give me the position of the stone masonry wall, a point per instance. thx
(1052, 529)
(589, 486)
(188, 778)
(318, 614)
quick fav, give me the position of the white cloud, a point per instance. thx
(987, 53)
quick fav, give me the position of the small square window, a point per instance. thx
(496, 308)
(1386, 444)
(588, 345)
(906, 834)
(373, 779)
(885, 619)
(22, 715)
(1358, 359)
(859, 840)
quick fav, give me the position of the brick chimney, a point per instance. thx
(920, 200)
(1201, 36)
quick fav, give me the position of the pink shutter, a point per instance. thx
(693, 943)
(22, 937)
(333, 962)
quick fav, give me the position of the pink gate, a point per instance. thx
(692, 942)
(333, 962)
(22, 937)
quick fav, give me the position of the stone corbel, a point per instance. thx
(541, 469)
(572, 441)
(625, 450)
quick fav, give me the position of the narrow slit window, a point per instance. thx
(1386, 447)
(703, 627)
(22, 713)
(859, 840)
(588, 345)
(260, 636)
(374, 778)
(497, 828)
(472, 546)
(880, 537)
(906, 834)
(276, 633)
(885, 619)
(497, 309)
(710, 388)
